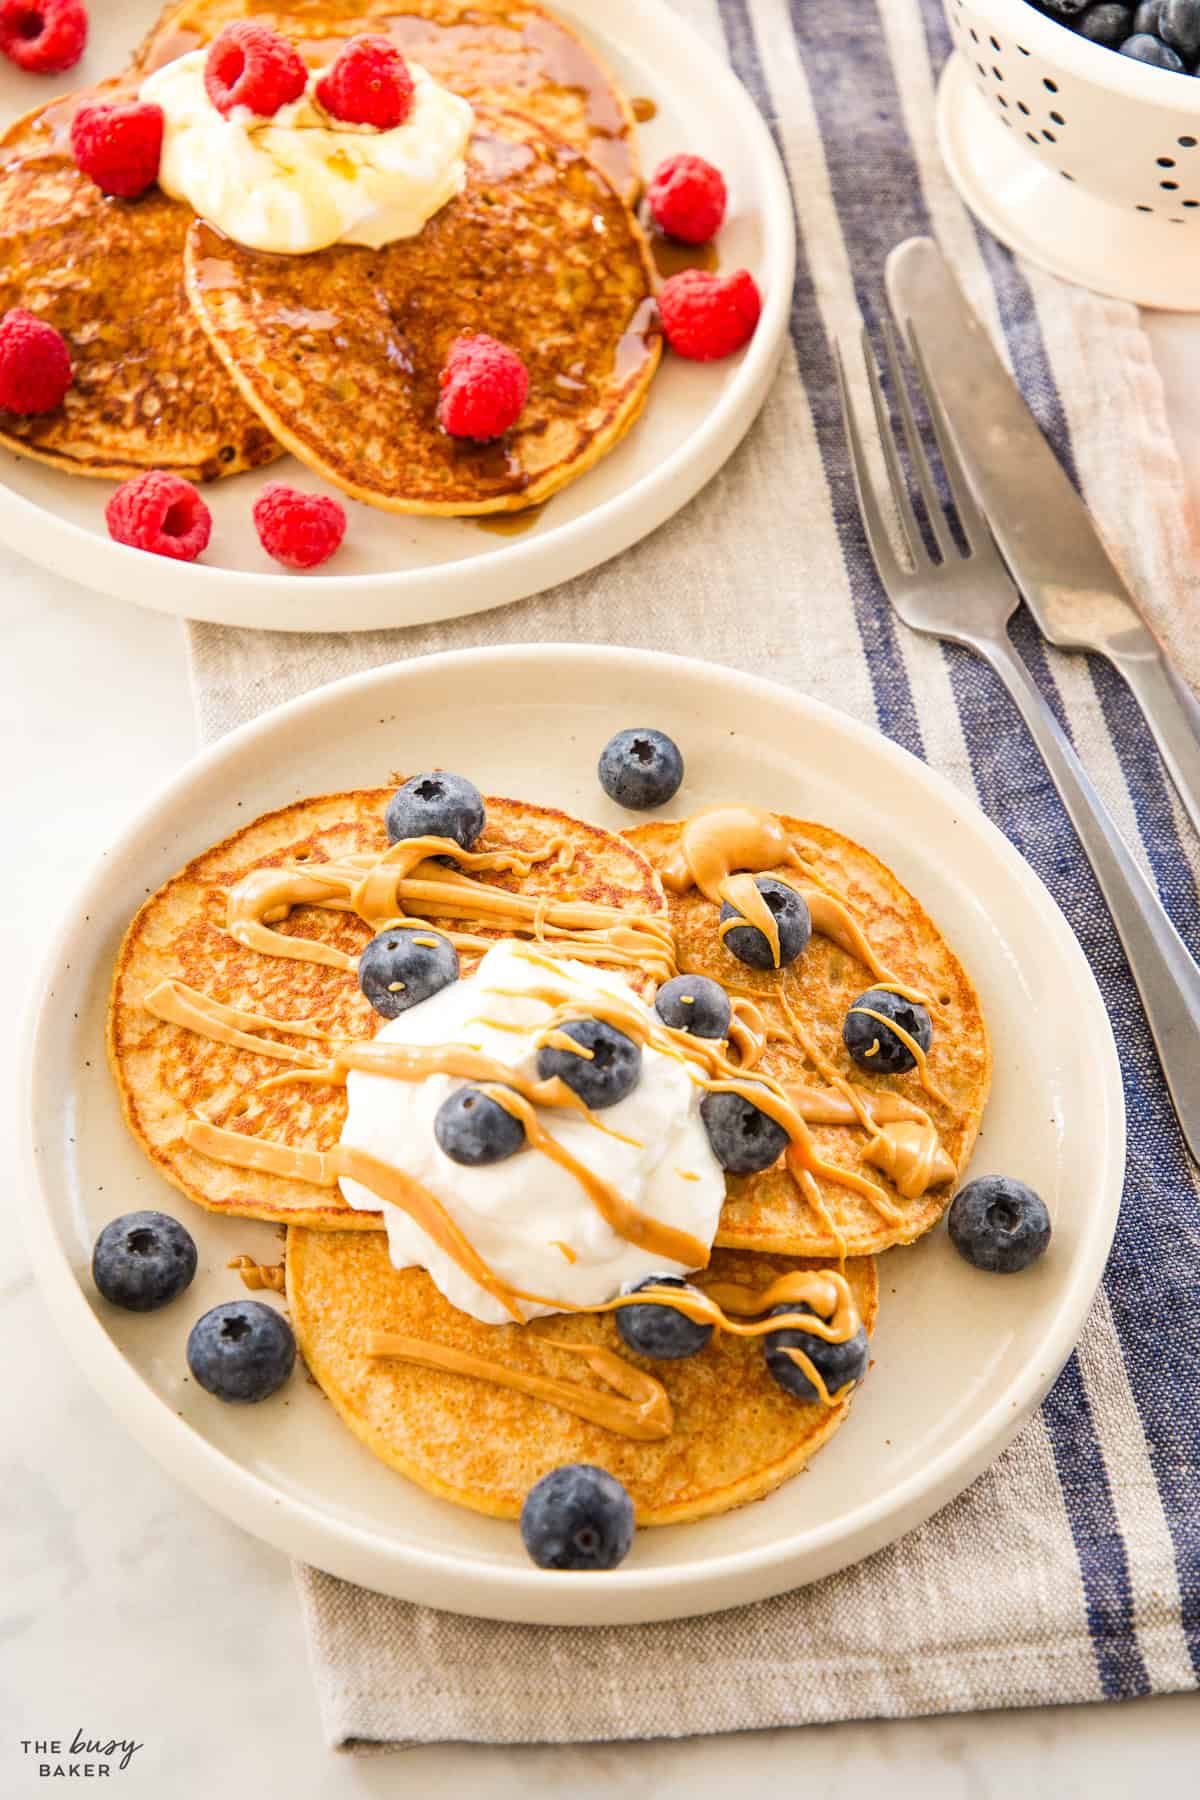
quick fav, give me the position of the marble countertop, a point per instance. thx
(127, 1609)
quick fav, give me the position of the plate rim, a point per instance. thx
(528, 1594)
(280, 601)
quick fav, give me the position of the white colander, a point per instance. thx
(1082, 159)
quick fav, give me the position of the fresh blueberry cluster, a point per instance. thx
(1163, 33)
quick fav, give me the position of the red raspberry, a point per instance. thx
(252, 66)
(484, 387)
(369, 84)
(35, 364)
(118, 147)
(687, 198)
(161, 513)
(43, 36)
(707, 316)
(298, 530)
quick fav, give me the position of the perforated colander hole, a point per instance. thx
(1032, 136)
(1022, 49)
(1000, 100)
(1186, 143)
(1148, 209)
(1166, 162)
(1058, 118)
(1066, 175)
(974, 35)
(1171, 186)
(1051, 87)
(997, 74)
(1022, 108)
(1049, 137)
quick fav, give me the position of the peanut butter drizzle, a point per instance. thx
(726, 841)
(644, 1412)
(910, 1153)
(723, 841)
(180, 1004)
(747, 1033)
(388, 889)
(640, 1407)
(258, 1276)
(324, 1168)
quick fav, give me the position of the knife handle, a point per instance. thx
(1173, 718)
(1166, 975)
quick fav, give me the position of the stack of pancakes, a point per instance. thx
(196, 355)
(737, 1435)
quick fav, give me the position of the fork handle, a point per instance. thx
(1166, 975)
(1172, 715)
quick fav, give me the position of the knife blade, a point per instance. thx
(1041, 526)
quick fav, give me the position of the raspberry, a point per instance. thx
(35, 364)
(161, 513)
(687, 198)
(43, 36)
(118, 147)
(706, 316)
(252, 66)
(298, 530)
(484, 387)
(369, 84)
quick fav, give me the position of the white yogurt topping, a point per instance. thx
(301, 181)
(523, 1214)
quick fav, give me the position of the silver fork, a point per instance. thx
(969, 599)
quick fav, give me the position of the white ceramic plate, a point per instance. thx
(402, 571)
(960, 1357)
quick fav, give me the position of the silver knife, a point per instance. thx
(1043, 529)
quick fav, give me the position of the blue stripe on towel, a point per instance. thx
(894, 705)
(1098, 1543)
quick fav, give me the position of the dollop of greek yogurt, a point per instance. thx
(302, 180)
(529, 1218)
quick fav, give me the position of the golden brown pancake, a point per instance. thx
(148, 392)
(768, 1211)
(737, 1435)
(340, 353)
(166, 1073)
(497, 53)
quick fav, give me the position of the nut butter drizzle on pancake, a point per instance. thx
(643, 1408)
(379, 887)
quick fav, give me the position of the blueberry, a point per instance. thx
(836, 1364)
(661, 1331)
(744, 1139)
(1064, 9)
(792, 920)
(405, 965)
(999, 1224)
(1107, 24)
(872, 1046)
(640, 769)
(1146, 18)
(1146, 49)
(1179, 26)
(694, 1004)
(577, 1517)
(241, 1351)
(606, 1075)
(142, 1260)
(436, 805)
(473, 1129)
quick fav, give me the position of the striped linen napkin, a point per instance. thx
(1071, 1570)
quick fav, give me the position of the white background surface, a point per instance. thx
(127, 1609)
